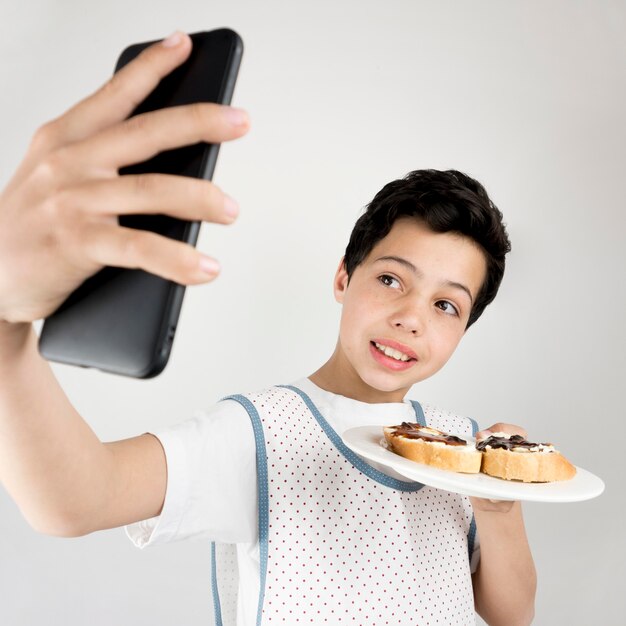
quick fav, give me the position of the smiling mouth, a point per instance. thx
(392, 353)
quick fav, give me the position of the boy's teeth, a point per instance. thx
(394, 354)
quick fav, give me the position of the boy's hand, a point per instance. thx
(58, 214)
(496, 506)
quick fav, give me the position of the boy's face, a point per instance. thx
(411, 297)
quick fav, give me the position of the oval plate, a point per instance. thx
(366, 442)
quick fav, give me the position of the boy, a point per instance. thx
(333, 539)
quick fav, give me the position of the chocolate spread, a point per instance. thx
(507, 443)
(415, 431)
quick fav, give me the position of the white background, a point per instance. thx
(526, 96)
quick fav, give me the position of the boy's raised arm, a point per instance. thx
(64, 480)
(58, 225)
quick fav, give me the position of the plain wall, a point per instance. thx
(527, 96)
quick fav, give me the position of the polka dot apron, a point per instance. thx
(341, 542)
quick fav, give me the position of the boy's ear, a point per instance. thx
(340, 283)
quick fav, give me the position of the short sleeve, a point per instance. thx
(211, 481)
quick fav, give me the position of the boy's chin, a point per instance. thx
(390, 382)
(386, 383)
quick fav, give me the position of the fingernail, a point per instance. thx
(173, 40)
(237, 117)
(209, 266)
(230, 206)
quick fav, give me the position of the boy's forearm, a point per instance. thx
(506, 581)
(51, 462)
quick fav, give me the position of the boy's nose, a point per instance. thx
(410, 319)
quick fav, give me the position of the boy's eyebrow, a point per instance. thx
(412, 268)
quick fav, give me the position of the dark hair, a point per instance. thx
(447, 201)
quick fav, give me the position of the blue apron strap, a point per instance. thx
(419, 413)
(217, 608)
(261, 464)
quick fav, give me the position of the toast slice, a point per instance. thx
(433, 447)
(514, 458)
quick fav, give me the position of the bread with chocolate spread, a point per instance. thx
(514, 458)
(424, 444)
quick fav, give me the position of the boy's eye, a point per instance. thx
(447, 307)
(389, 281)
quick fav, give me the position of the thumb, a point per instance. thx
(483, 434)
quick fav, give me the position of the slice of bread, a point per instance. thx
(514, 458)
(433, 447)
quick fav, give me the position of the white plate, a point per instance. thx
(366, 442)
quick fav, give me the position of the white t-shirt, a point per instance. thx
(212, 481)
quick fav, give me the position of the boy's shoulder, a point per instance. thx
(252, 400)
(256, 394)
(275, 395)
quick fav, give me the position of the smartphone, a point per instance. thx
(123, 321)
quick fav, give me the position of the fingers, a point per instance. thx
(500, 427)
(492, 506)
(119, 96)
(138, 249)
(182, 197)
(142, 136)
(483, 434)
(67, 193)
(95, 138)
